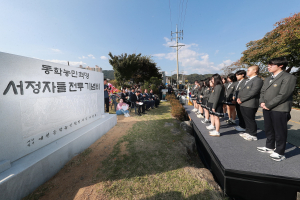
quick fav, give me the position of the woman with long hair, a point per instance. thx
(199, 99)
(122, 108)
(193, 96)
(225, 84)
(206, 93)
(228, 101)
(216, 105)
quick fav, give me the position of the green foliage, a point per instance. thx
(145, 86)
(283, 40)
(109, 74)
(133, 66)
(191, 78)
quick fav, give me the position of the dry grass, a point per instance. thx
(147, 162)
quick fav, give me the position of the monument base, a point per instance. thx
(32, 170)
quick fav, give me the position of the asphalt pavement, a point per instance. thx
(293, 126)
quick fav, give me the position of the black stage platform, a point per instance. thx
(242, 171)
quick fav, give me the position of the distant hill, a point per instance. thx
(109, 74)
(192, 77)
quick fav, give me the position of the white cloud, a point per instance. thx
(65, 62)
(83, 57)
(91, 56)
(56, 50)
(159, 55)
(103, 57)
(225, 63)
(190, 60)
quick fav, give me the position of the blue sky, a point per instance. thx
(83, 32)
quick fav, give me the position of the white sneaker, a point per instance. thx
(277, 157)
(238, 128)
(128, 115)
(210, 127)
(200, 116)
(250, 138)
(125, 115)
(244, 134)
(194, 110)
(265, 150)
(214, 133)
(205, 121)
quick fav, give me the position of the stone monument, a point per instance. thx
(49, 113)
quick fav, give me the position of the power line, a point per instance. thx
(170, 14)
(177, 45)
(181, 14)
(185, 12)
(178, 12)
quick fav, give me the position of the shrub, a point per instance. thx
(177, 110)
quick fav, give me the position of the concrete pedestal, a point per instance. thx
(34, 169)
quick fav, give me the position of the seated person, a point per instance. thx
(148, 100)
(156, 100)
(124, 96)
(135, 100)
(122, 108)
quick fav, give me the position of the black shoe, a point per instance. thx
(139, 114)
(144, 113)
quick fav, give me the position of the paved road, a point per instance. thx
(293, 126)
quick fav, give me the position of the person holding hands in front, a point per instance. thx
(276, 99)
(248, 98)
(215, 103)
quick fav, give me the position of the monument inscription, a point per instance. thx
(42, 101)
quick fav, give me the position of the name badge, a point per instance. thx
(239, 88)
(231, 87)
(248, 87)
(275, 85)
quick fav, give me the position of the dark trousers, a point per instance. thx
(156, 103)
(141, 108)
(148, 104)
(240, 116)
(276, 129)
(249, 118)
(106, 103)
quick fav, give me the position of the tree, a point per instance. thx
(124, 66)
(145, 70)
(137, 67)
(283, 40)
(235, 66)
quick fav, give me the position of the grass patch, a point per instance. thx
(76, 161)
(153, 166)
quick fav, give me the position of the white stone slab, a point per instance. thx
(35, 114)
(32, 170)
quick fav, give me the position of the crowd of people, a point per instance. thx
(241, 94)
(132, 98)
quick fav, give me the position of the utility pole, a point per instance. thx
(180, 33)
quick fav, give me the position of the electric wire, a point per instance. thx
(185, 13)
(170, 14)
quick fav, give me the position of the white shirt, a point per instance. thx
(274, 76)
(229, 85)
(250, 79)
(239, 84)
